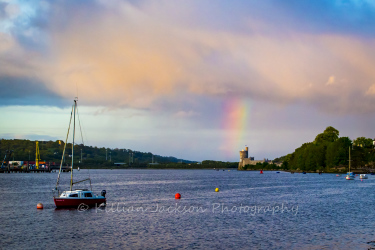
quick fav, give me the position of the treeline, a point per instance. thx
(203, 165)
(263, 166)
(329, 152)
(51, 151)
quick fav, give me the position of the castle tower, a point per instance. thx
(244, 153)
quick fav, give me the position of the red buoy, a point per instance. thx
(261, 171)
(39, 206)
(177, 196)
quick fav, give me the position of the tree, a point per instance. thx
(338, 152)
(330, 134)
(363, 142)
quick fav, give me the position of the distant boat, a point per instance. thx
(277, 172)
(350, 176)
(303, 172)
(77, 197)
(363, 176)
(372, 173)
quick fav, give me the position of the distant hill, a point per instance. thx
(51, 151)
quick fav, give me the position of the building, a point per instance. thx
(246, 160)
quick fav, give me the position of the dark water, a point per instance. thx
(251, 211)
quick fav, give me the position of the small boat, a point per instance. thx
(372, 173)
(303, 172)
(77, 197)
(363, 176)
(350, 176)
(277, 172)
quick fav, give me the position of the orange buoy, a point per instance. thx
(177, 196)
(39, 206)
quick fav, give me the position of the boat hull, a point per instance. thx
(66, 202)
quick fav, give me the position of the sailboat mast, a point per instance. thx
(74, 133)
(349, 159)
(63, 154)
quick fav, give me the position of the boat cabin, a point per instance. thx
(81, 193)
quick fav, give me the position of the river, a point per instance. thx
(250, 211)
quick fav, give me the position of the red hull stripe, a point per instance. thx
(61, 202)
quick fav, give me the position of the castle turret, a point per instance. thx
(243, 155)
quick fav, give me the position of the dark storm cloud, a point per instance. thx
(23, 91)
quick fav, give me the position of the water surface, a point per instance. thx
(251, 211)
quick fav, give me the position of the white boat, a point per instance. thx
(363, 176)
(78, 197)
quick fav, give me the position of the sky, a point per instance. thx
(193, 79)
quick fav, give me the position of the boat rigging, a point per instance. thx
(75, 198)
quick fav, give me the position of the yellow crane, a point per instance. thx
(37, 155)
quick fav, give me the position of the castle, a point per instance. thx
(246, 160)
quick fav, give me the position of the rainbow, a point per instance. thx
(235, 123)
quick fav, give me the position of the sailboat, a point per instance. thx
(363, 176)
(350, 175)
(75, 197)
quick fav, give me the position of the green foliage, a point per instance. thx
(363, 142)
(263, 166)
(218, 164)
(328, 151)
(94, 157)
(338, 152)
(51, 151)
(330, 134)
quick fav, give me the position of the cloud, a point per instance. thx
(331, 80)
(27, 91)
(186, 114)
(154, 57)
(371, 90)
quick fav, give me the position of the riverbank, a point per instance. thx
(330, 171)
